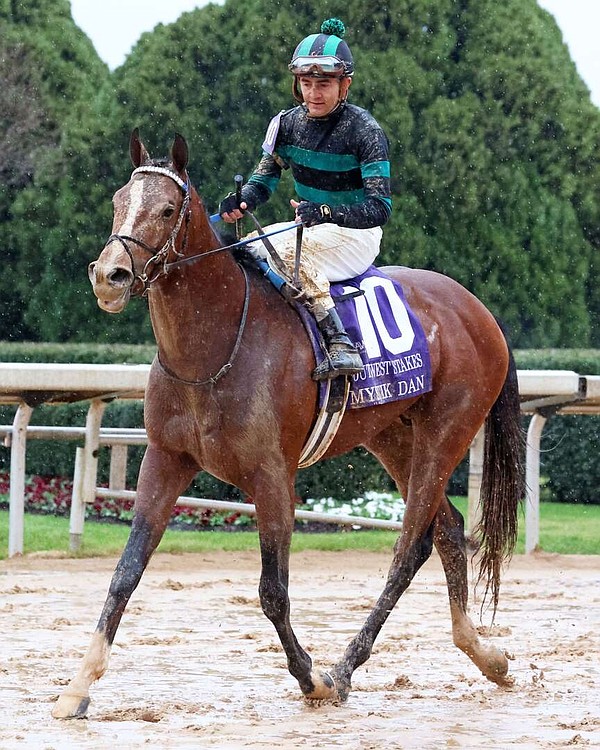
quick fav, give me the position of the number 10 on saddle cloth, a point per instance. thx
(389, 337)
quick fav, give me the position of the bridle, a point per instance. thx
(159, 256)
(159, 259)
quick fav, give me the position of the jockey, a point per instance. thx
(339, 159)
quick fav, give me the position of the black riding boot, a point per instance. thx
(342, 359)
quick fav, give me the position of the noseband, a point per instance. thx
(160, 259)
(159, 256)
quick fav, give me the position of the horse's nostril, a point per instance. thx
(120, 277)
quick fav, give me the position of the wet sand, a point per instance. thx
(197, 665)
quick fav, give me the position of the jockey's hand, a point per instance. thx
(309, 213)
(230, 210)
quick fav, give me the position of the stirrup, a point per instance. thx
(341, 360)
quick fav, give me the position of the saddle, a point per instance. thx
(386, 333)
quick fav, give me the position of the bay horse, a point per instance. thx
(230, 392)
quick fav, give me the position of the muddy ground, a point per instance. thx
(196, 664)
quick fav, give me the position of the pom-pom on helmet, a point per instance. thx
(324, 55)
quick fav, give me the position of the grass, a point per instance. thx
(564, 529)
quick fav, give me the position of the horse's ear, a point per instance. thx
(179, 153)
(137, 150)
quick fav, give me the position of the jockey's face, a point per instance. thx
(322, 95)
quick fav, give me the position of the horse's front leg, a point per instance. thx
(275, 525)
(162, 478)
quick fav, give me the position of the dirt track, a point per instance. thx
(196, 664)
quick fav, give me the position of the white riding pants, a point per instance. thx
(329, 253)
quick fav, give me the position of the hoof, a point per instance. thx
(502, 679)
(496, 669)
(71, 707)
(505, 682)
(323, 688)
(341, 676)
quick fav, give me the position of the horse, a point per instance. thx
(230, 392)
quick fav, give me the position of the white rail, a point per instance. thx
(544, 392)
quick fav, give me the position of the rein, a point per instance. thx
(160, 257)
(234, 245)
(162, 254)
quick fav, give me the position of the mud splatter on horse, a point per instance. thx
(225, 395)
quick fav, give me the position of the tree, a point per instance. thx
(493, 146)
(52, 74)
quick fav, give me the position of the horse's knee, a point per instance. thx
(274, 599)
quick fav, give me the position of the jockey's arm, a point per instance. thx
(257, 190)
(372, 212)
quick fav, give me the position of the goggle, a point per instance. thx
(325, 65)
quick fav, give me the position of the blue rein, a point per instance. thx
(239, 243)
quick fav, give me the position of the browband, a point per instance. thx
(165, 171)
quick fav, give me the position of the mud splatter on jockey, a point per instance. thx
(339, 159)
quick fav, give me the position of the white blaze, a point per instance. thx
(135, 201)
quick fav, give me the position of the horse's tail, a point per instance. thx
(503, 483)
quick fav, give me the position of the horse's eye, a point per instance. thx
(169, 211)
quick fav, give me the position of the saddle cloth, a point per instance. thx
(388, 336)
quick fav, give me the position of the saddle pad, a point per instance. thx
(389, 337)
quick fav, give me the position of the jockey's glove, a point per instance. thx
(314, 213)
(228, 204)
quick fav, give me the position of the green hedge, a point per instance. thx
(93, 354)
(582, 361)
(569, 443)
(569, 459)
(569, 463)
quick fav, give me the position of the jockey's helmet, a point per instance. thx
(323, 55)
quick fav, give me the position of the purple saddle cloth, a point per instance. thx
(388, 335)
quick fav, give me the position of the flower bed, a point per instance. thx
(52, 495)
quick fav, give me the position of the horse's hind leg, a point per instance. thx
(449, 540)
(162, 478)
(420, 457)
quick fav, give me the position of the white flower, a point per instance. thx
(373, 505)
